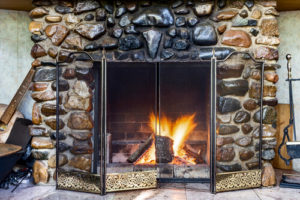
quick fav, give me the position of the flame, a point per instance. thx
(148, 157)
(178, 131)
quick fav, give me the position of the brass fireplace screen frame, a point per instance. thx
(101, 183)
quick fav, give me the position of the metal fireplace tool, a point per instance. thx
(293, 147)
(100, 182)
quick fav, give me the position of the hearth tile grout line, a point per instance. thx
(256, 194)
(185, 193)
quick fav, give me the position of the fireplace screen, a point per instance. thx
(237, 146)
(133, 124)
(182, 140)
(158, 118)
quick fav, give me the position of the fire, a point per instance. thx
(148, 157)
(178, 131)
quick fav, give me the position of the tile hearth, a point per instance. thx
(168, 191)
(175, 191)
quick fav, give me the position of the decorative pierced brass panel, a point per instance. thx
(131, 181)
(84, 182)
(238, 180)
(78, 181)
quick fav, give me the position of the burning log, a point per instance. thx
(193, 153)
(164, 149)
(139, 152)
(180, 161)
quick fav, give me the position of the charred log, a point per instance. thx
(141, 150)
(180, 161)
(193, 153)
(164, 149)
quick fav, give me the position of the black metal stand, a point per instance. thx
(293, 149)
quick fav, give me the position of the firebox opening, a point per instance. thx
(158, 114)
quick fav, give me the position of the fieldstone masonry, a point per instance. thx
(152, 31)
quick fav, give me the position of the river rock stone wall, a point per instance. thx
(151, 31)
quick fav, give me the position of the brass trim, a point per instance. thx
(131, 181)
(289, 66)
(238, 180)
(85, 182)
(79, 181)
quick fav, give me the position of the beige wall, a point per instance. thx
(289, 28)
(15, 59)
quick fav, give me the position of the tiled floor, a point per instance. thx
(165, 192)
(173, 191)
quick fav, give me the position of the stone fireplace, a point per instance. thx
(144, 39)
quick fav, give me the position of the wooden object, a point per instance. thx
(9, 113)
(283, 116)
(193, 153)
(286, 5)
(4, 133)
(24, 5)
(8, 149)
(164, 149)
(139, 152)
(12, 107)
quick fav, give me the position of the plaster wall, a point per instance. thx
(15, 59)
(289, 28)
